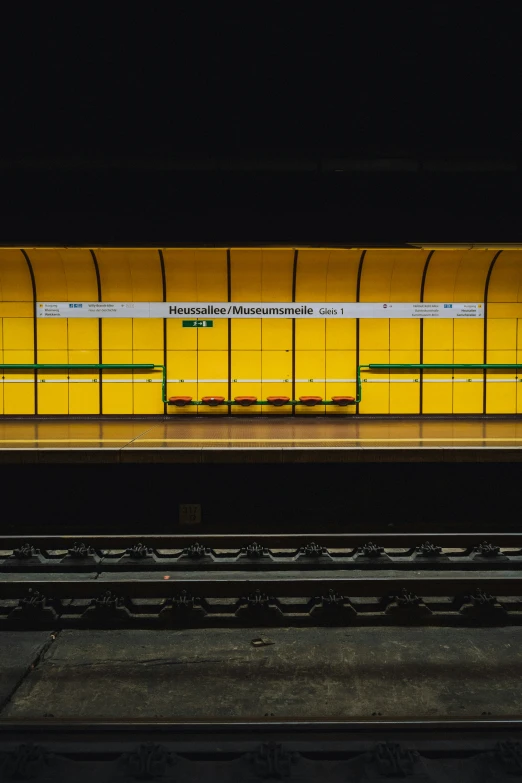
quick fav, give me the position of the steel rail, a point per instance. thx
(226, 585)
(175, 728)
(288, 541)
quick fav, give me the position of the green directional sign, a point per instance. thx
(198, 324)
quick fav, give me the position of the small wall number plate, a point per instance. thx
(189, 514)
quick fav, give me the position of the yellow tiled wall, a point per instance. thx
(255, 356)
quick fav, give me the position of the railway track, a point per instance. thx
(427, 750)
(222, 580)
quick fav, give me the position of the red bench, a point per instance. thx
(180, 402)
(245, 401)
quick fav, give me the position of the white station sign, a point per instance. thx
(216, 310)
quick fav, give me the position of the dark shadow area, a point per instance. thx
(261, 498)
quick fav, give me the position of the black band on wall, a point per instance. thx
(294, 288)
(229, 299)
(357, 327)
(421, 329)
(486, 294)
(100, 326)
(164, 297)
(35, 329)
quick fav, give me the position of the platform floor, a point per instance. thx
(306, 673)
(227, 439)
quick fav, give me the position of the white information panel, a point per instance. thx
(260, 310)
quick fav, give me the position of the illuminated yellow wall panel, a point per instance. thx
(212, 278)
(16, 326)
(276, 333)
(312, 269)
(519, 336)
(310, 339)
(310, 334)
(505, 288)
(115, 274)
(84, 386)
(132, 275)
(441, 276)
(404, 384)
(16, 310)
(341, 275)
(375, 383)
(276, 369)
(192, 276)
(182, 374)
(82, 335)
(181, 274)
(147, 334)
(468, 335)
(18, 333)
(180, 338)
(18, 386)
(53, 398)
(438, 341)
(438, 335)
(502, 334)
(468, 386)
(246, 334)
(117, 384)
(80, 275)
(470, 279)
(51, 334)
(501, 386)
(145, 272)
(246, 267)
(246, 377)
(506, 278)
(214, 338)
(374, 333)
(49, 273)
(405, 335)
(374, 340)
(340, 368)
(406, 277)
(504, 310)
(117, 333)
(212, 378)
(277, 274)
(310, 373)
(66, 275)
(15, 280)
(182, 343)
(147, 383)
(437, 388)
(340, 334)
(376, 275)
